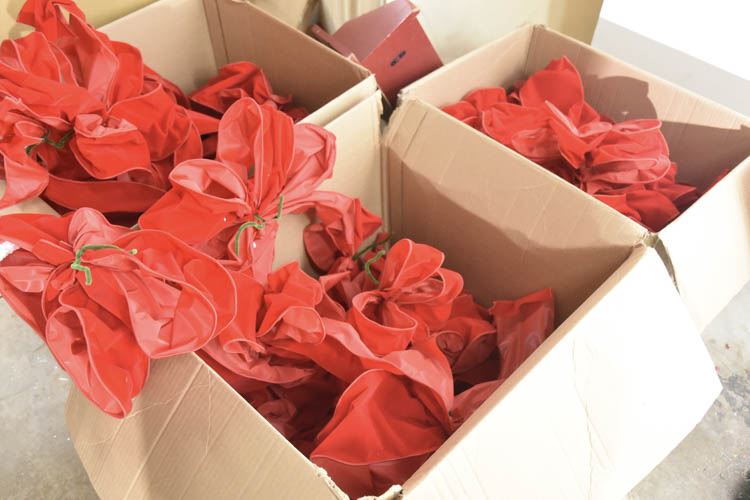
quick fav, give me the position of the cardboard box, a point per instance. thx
(188, 40)
(621, 381)
(390, 42)
(706, 249)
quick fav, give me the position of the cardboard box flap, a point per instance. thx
(173, 38)
(364, 33)
(451, 187)
(357, 173)
(594, 409)
(705, 138)
(706, 247)
(196, 37)
(477, 69)
(190, 435)
(294, 62)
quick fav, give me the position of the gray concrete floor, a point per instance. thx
(39, 461)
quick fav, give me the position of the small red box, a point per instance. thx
(390, 42)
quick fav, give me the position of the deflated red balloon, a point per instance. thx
(106, 298)
(546, 119)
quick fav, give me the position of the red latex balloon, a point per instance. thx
(413, 295)
(86, 123)
(266, 166)
(522, 325)
(343, 226)
(106, 298)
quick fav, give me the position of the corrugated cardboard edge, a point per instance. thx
(441, 156)
(190, 435)
(190, 61)
(218, 12)
(556, 408)
(705, 245)
(701, 247)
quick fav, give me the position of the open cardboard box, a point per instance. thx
(706, 249)
(187, 41)
(620, 382)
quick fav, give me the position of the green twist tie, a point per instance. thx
(77, 266)
(259, 223)
(55, 144)
(369, 263)
(369, 247)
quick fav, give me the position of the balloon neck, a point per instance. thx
(258, 223)
(55, 144)
(369, 247)
(77, 266)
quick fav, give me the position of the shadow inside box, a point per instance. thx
(500, 260)
(711, 141)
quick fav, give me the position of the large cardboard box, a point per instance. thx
(619, 383)
(706, 249)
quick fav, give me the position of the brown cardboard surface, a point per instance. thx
(357, 173)
(704, 139)
(296, 13)
(452, 192)
(188, 40)
(594, 409)
(189, 435)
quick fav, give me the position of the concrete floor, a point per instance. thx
(39, 461)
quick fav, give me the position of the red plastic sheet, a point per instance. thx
(106, 299)
(625, 165)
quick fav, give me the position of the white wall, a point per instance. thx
(700, 45)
